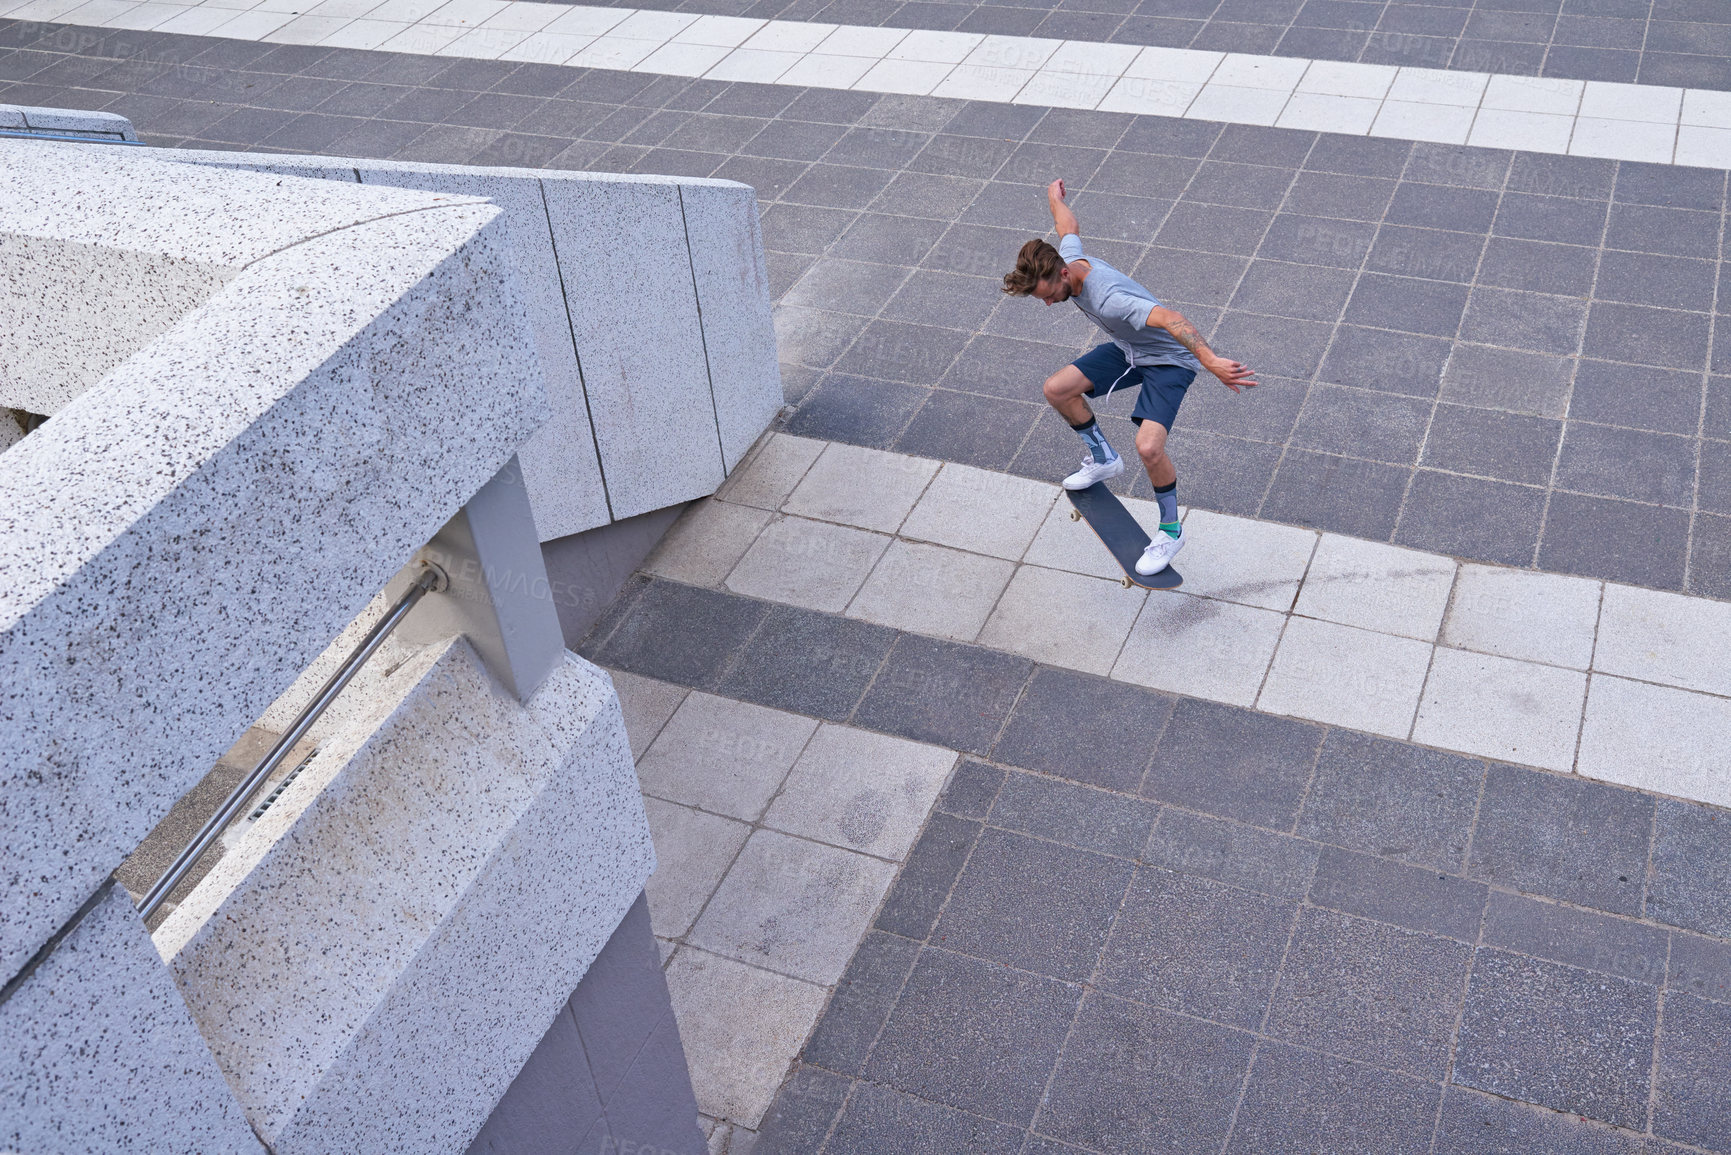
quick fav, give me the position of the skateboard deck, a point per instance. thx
(1119, 532)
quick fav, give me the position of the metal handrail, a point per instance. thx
(430, 578)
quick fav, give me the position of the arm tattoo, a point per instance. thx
(1186, 335)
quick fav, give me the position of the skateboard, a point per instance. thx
(1119, 532)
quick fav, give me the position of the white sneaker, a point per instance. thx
(1159, 553)
(1092, 471)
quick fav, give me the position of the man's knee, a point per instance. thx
(1152, 450)
(1057, 389)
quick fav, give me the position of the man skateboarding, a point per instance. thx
(1151, 346)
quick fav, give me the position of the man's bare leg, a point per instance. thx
(1151, 448)
(1064, 390)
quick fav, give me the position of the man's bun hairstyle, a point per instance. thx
(1038, 261)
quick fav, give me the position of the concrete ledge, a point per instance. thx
(66, 122)
(329, 958)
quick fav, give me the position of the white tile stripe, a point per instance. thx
(1571, 674)
(1578, 118)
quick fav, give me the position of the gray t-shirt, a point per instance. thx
(1120, 307)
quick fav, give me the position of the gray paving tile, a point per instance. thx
(1489, 443)
(1214, 228)
(1281, 289)
(1241, 856)
(1300, 1101)
(1274, 345)
(1441, 206)
(1077, 816)
(1700, 966)
(1475, 1124)
(802, 1112)
(1362, 422)
(879, 1119)
(1195, 946)
(1647, 336)
(1435, 254)
(1392, 362)
(680, 634)
(1538, 267)
(808, 662)
(857, 410)
(1651, 229)
(1234, 763)
(1692, 1101)
(1135, 1079)
(1564, 1038)
(975, 1036)
(1577, 937)
(931, 869)
(1384, 995)
(1389, 798)
(1228, 474)
(1632, 464)
(1617, 540)
(1290, 237)
(943, 693)
(1691, 871)
(1580, 841)
(1407, 304)
(1033, 905)
(1525, 321)
(1409, 896)
(1661, 400)
(1084, 728)
(1343, 494)
(972, 789)
(954, 427)
(1357, 155)
(862, 1001)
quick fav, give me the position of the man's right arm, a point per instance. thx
(1062, 218)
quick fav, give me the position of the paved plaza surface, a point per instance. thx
(964, 847)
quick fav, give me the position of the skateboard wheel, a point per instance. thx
(1128, 583)
(1075, 515)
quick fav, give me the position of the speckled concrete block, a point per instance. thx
(73, 121)
(683, 352)
(332, 957)
(98, 1053)
(727, 262)
(633, 311)
(221, 504)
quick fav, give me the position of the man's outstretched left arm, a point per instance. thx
(1232, 374)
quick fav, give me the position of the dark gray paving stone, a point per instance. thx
(1389, 798)
(1672, 232)
(1135, 1079)
(862, 1001)
(1691, 874)
(1564, 1038)
(1550, 218)
(971, 790)
(803, 1111)
(1362, 422)
(1392, 362)
(878, 1119)
(846, 286)
(928, 875)
(1407, 304)
(1430, 253)
(898, 351)
(1538, 267)
(1266, 414)
(1536, 383)
(1490, 443)
(1084, 728)
(681, 634)
(1385, 995)
(1299, 1101)
(1710, 555)
(1632, 464)
(1198, 947)
(1214, 228)
(1033, 905)
(975, 1036)
(1580, 841)
(1513, 320)
(1141, 175)
(1357, 155)
(1228, 474)
(1692, 1097)
(1006, 367)
(1664, 282)
(1663, 337)
(1343, 494)
(808, 662)
(1229, 852)
(1441, 206)
(1329, 194)
(1281, 289)
(1234, 763)
(1662, 400)
(857, 411)
(1475, 1124)
(956, 427)
(838, 186)
(1408, 896)
(1618, 540)
(1700, 966)
(1339, 244)
(1580, 938)
(1187, 277)
(1077, 816)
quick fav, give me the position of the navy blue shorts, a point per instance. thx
(1163, 386)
